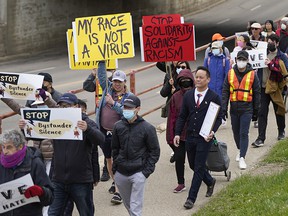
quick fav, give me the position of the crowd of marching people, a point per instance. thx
(65, 172)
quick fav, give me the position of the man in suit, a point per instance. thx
(194, 109)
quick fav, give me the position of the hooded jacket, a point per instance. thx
(241, 106)
(135, 147)
(175, 108)
(34, 165)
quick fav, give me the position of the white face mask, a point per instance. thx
(178, 70)
(283, 26)
(216, 51)
(241, 64)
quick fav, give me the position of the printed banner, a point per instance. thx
(19, 86)
(163, 19)
(256, 57)
(85, 65)
(103, 37)
(52, 123)
(12, 194)
(167, 43)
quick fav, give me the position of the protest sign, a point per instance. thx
(103, 37)
(237, 34)
(19, 86)
(12, 194)
(167, 42)
(256, 57)
(52, 123)
(85, 65)
(163, 19)
(259, 44)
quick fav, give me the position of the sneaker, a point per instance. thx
(188, 204)
(105, 176)
(112, 189)
(258, 143)
(242, 164)
(210, 188)
(238, 156)
(172, 158)
(179, 188)
(281, 136)
(116, 199)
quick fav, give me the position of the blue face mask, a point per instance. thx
(216, 51)
(128, 114)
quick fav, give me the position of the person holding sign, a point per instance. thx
(241, 87)
(18, 160)
(273, 79)
(194, 109)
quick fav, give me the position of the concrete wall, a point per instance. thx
(38, 25)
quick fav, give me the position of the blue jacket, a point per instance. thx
(218, 67)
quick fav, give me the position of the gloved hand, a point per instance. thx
(255, 115)
(33, 191)
(42, 93)
(225, 115)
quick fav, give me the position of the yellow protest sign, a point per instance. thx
(85, 65)
(103, 37)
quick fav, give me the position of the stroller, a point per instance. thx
(218, 159)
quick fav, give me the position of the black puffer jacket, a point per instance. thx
(135, 147)
(72, 160)
(241, 106)
(34, 165)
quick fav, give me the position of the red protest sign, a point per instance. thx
(163, 19)
(168, 42)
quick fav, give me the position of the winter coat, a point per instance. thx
(135, 147)
(34, 165)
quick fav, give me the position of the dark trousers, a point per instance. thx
(240, 127)
(179, 155)
(263, 115)
(197, 152)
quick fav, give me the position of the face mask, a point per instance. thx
(221, 42)
(186, 84)
(128, 114)
(45, 88)
(240, 43)
(271, 47)
(216, 51)
(283, 26)
(178, 70)
(241, 64)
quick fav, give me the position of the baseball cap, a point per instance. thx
(217, 36)
(47, 77)
(119, 75)
(68, 98)
(256, 25)
(132, 101)
(242, 54)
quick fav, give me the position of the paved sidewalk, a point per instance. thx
(159, 197)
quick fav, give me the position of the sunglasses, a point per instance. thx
(254, 28)
(183, 67)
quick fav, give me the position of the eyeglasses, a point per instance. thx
(254, 28)
(183, 67)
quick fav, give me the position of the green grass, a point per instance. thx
(255, 195)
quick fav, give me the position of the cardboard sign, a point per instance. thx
(85, 65)
(12, 194)
(52, 123)
(256, 57)
(167, 42)
(103, 37)
(163, 19)
(19, 86)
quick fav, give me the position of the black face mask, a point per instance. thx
(271, 47)
(186, 84)
(45, 88)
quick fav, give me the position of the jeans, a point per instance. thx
(197, 152)
(240, 127)
(80, 193)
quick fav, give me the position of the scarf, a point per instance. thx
(9, 161)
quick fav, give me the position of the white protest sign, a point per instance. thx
(52, 123)
(256, 57)
(237, 34)
(259, 44)
(19, 86)
(12, 194)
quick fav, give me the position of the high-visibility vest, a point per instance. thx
(242, 91)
